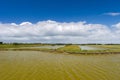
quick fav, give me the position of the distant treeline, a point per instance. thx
(15, 43)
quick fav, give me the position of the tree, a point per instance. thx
(1, 42)
(15, 43)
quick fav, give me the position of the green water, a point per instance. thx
(33, 65)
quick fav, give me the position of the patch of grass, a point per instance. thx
(69, 49)
(18, 45)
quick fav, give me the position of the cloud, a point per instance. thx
(112, 13)
(59, 32)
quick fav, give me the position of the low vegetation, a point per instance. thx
(17, 45)
(68, 48)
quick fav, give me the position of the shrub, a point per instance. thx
(1, 42)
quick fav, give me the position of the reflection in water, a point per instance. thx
(48, 47)
(89, 48)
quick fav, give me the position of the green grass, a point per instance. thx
(20, 45)
(69, 48)
(66, 49)
(76, 49)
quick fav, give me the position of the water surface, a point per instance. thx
(89, 48)
(35, 65)
(48, 47)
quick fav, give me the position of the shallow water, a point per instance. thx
(48, 47)
(89, 48)
(33, 65)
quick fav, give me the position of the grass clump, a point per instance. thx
(69, 49)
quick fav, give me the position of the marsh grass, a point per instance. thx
(69, 48)
(72, 49)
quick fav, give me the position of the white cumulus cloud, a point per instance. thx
(59, 32)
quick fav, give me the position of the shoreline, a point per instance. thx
(62, 52)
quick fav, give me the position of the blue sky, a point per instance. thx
(59, 10)
(60, 21)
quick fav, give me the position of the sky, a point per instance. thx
(60, 21)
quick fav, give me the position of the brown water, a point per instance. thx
(33, 65)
